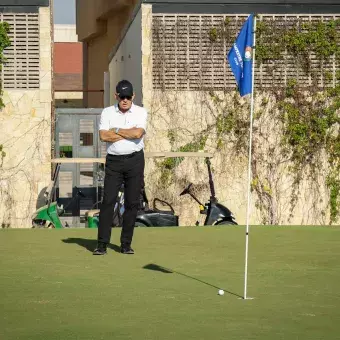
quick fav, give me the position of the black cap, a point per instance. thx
(124, 88)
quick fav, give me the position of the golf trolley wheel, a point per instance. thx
(40, 224)
(35, 225)
(226, 223)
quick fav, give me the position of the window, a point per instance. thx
(86, 132)
(22, 68)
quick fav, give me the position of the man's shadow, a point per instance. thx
(158, 268)
(89, 244)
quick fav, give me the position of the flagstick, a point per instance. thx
(249, 167)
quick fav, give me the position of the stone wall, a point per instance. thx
(127, 62)
(25, 133)
(176, 118)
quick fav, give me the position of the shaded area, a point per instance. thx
(89, 244)
(41, 199)
(158, 268)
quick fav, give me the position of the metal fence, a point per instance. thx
(77, 137)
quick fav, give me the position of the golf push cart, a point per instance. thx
(216, 213)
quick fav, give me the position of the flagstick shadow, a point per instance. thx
(158, 268)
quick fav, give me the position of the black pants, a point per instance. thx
(127, 169)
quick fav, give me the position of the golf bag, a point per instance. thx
(119, 207)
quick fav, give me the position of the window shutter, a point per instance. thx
(187, 57)
(22, 68)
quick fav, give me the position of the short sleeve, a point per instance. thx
(142, 119)
(104, 121)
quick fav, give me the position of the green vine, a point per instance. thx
(222, 31)
(303, 150)
(310, 127)
(2, 155)
(333, 183)
(4, 43)
(319, 38)
(168, 166)
(269, 43)
(302, 41)
(213, 34)
(309, 117)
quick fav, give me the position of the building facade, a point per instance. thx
(99, 26)
(67, 67)
(174, 52)
(25, 121)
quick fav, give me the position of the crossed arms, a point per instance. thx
(112, 137)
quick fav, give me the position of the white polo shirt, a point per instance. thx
(112, 117)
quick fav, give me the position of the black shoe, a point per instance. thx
(100, 250)
(126, 250)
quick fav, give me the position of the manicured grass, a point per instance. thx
(53, 288)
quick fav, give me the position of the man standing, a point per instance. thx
(122, 127)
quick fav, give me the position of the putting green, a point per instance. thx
(53, 288)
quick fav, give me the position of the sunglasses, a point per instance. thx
(125, 97)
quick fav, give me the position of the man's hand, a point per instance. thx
(133, 133)
(109, 136)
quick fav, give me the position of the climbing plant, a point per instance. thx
(4, 43)
(309, 116)
(302, 144)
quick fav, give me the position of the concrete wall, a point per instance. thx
(93, 14)
(25, 133)
(127, 62)
(65, 33)
(68, 67)
(98, 50)
(183, 114)
(68, 74)
(186, 114)
(100, 24)
(94, 68)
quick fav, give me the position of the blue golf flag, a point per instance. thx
(240, 57)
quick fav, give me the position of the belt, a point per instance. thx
(124, 156)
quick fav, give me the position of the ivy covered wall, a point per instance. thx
(194, 106)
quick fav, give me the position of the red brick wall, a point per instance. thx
(68, 66)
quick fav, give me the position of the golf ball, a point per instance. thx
(221, 292)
